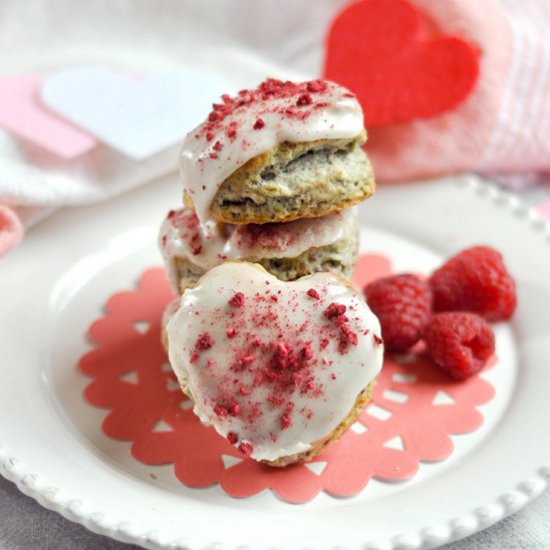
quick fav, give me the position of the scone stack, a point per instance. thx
(270, 181)
(270, 178)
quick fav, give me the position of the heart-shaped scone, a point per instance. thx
(276, 153)
(377, 48)
(280, 369)
(287, 250)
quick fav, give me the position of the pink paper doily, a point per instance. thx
(415, 409)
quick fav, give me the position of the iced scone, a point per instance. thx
(280, 369)
(287, 250)
(277, 153)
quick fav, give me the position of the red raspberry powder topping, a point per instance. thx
(220, 411)
(316, 86)
(204, 341)
(274, 236)
(286, 421)
(304, 99)
(271, 357)
(308, 98)
(312, 293)
(334, 310)
(245, 449)
(237, 300)
(347, 336)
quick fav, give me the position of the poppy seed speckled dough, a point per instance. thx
(280, 152)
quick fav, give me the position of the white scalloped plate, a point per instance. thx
(52, 446)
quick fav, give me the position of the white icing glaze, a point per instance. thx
(218, 147)
(247, 367)
(209, 244)
(170, 310)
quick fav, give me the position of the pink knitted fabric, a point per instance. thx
(11, 229)
(504, 124)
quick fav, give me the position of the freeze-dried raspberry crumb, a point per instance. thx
(304, 99)
(312, 293)
(341, 320)
(259, 124)
(459, 343)
(334, 310)
(237, 300)
(306, 352)
(220, 411)
(475, 280)
(316, 86)
(204, 341)
(347, 337)
(402, 304)
(245, 449)
(232, 437)
(286, 421)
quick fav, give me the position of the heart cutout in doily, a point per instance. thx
(381, 50)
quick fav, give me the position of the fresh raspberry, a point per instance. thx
(402, 304)
(459, 343)
(475, 280)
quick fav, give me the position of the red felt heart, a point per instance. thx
(380, 50)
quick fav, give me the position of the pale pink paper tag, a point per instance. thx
(22, 114)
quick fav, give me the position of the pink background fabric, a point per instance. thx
(504, 125)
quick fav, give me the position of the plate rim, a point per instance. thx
(505, 503)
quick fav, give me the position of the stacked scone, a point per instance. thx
(280, 368)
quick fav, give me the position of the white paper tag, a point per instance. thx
(137, 117)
